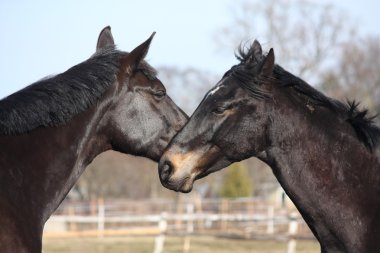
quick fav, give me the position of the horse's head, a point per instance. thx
(229, 125)
(142, 118)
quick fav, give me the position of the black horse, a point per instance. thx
(322, 151)
(52, 129)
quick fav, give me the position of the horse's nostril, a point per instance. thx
(165, 171)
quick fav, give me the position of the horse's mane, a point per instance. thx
(54, 101)
(363, 124)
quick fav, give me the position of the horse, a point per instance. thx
(51, 130)
(322, 151)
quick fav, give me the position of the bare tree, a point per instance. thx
(357, 73)
(304, 34)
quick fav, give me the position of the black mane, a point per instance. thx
(245, 73)
(54, 101)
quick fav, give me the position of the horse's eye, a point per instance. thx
(159, 94)
(219, 110)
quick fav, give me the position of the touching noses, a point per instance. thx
(165, 166)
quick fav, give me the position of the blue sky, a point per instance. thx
(40, 38)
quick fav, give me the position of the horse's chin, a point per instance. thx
(184, 185)
(187, 187)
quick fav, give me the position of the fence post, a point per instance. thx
(223, 210)
(190, 226)
(179, 211)
(293, 228)
(190, 218)
(160, 239)
(101, 215)
(270, 220)
(72, 225)
(198, 207)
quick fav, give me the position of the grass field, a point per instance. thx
(198, 244)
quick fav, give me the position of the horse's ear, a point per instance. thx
(257, 51)
(133, 59)
(267, 64)
(105, 39)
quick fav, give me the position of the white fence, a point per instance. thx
(243, 218)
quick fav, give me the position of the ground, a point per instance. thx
(204, 244)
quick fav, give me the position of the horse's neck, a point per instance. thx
(318, 158)
(89, 142)
(328, 174)
(48, 161)
(316, 146)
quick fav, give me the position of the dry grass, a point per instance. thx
(173, 244)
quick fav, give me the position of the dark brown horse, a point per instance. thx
(320, 150)
(52, 129)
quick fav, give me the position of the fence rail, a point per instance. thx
(244, 218)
